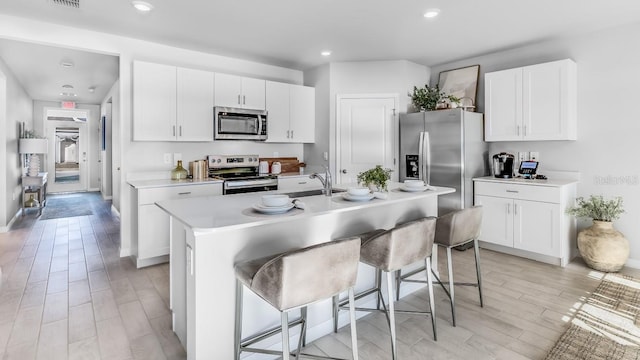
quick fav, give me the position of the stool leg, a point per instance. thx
(238, 324)
(378, 286)
(451, 285)
(303, 314)
(335, 310)
(352, 316)
(398, 281)
(285, 336)
(476, 252)
(392, 318)
(432, 307)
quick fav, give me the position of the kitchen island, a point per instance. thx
(210, 234)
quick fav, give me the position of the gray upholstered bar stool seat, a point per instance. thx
(454, 229)
(294, 280)
(389, 251)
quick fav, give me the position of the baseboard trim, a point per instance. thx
(633, 263)
(4, 229)
(115, 211)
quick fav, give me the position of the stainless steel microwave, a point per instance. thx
(239, 124)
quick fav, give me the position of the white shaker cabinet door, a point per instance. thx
(195, 105)
(548, 101)
(303, 114)
(536, 227)
(503, 105)
(153, 232)
(277, 103)
(154, 102)
(497, 220)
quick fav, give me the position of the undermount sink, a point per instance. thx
(311, 193)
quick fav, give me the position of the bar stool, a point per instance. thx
(388, 251)
(454, 229)
(295, 280)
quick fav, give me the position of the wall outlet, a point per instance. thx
(177, 156)
(534, 156)
(325, 155)
(522, 156)
(276, 154)
(167, 158)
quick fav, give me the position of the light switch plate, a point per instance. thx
(522, 156)
(167, 158)
(534, 156)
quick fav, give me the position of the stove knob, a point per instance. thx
(218, 161)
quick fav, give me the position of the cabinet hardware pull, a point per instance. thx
(180, 130)
(515, 209)
(287, 134)
(185, 193)
(508, 208)
(244, 99)
(512, 191)
(518, 130)
(238, 99)
(524, 132)
(174, 130)
(292, 134)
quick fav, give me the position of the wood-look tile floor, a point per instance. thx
(66, 294)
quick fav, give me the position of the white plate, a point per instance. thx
(350, 197)
(414, 188)
(272, 210)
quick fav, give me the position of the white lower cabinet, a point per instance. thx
(298, 183)
(527, 218)
(153, 223)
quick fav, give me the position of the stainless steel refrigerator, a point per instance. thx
(444, 148)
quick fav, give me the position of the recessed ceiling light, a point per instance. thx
(325, 53)
(142, 6)
(92, 89)
(67, 86)
(432, 13)
(66, 63)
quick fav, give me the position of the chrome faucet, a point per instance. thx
(326, 181)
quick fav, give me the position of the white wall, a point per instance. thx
(15, 108)
(368, 77)
(606, 152)
(132, 157)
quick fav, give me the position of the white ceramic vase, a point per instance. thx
(602, 247)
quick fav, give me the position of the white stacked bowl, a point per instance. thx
(414, 184)
(275, 200)
(358, 191)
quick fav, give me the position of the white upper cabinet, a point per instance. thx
(303, 113)
(239, 92)
(195, 105)
(171, 103)
(291, 113)
(154, 102)
(532, 103)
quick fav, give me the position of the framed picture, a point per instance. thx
(461, 83)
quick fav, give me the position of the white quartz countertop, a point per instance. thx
(522, 181)
(142, 184)
(212, 213)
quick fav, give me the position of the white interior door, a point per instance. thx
(67, 156)
(366, 135)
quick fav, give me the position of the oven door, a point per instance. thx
(246, 186)
(240, 124)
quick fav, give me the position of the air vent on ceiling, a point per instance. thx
(69, 3)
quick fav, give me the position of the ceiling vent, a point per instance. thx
(69, 3)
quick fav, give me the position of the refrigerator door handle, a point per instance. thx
(426, 150)
(421, 154)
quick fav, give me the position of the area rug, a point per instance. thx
(66, 206)
(606, 326)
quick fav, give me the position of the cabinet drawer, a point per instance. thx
(297, 183)
(518, 191)
(150, 196)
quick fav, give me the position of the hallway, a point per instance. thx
(67, 294)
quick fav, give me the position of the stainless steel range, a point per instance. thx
(240, 174)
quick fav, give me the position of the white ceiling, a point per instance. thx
(292, 33)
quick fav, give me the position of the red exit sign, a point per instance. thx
(68, 105)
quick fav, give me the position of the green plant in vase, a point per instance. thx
(376, 177)
(427, 98)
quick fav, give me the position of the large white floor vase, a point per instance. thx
(602, 247)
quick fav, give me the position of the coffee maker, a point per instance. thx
(503, 165)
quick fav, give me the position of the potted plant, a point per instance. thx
(601, 246)
(430, 98)
(376, 178)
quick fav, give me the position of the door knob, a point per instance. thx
(344, 171)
